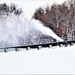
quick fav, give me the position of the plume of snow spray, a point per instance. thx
(45, 30)
(18, 30)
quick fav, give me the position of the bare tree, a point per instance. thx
(60, 18)
(6, 9)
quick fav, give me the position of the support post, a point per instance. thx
(61, 45)
(5, 50)
(16, 49)
(27, 48)
(39, 47)
(72, 43)
(50, 46)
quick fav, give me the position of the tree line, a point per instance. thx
(59, 17)
(12, 8)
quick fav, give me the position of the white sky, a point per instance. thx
(29, 6)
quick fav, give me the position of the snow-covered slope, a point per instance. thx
(43, 61)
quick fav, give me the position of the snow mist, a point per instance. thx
(45, 30)
(18, 30)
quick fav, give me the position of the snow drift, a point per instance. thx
(44, 61)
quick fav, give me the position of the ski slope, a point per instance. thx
(44, 61)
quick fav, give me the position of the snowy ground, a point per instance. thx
(44, 61)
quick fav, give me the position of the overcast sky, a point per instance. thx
(29, 6)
